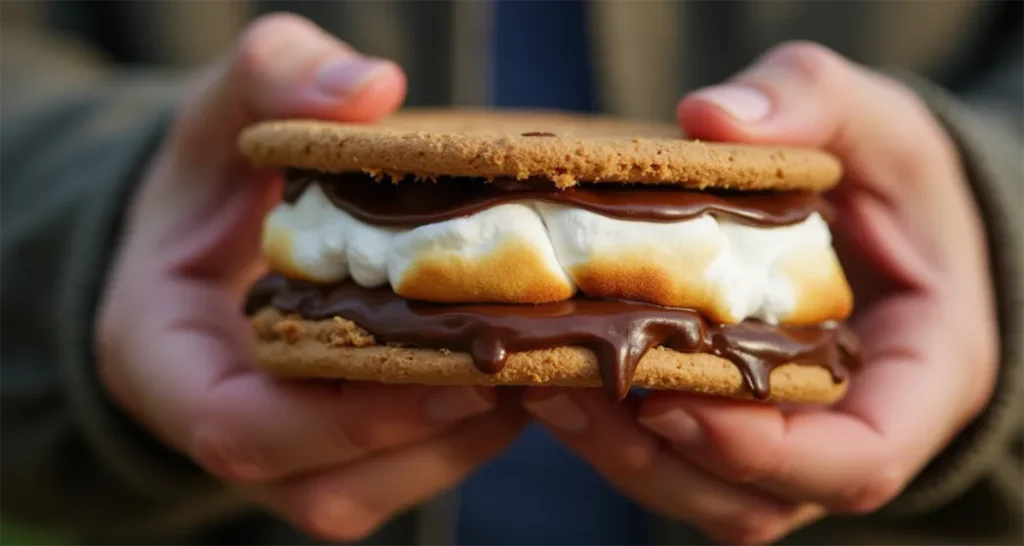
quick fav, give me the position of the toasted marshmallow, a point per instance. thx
(307, 240)
(727, 270)
(534, 252)
(499, 254)
(657, 262)
(757, 279)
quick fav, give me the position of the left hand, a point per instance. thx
(913, 247)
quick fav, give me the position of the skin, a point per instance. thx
(338, 460)
(912, 244)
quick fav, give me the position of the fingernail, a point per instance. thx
(676, 426)
(559, 411)
(744, 103)
(344, 77)
(451, 404)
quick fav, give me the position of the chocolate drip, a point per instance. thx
(422, 202)
(618, 332)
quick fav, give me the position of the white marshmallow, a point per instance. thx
(328, 244)
(579, 235)
(368, 248)
(317, 233)
(757, 288)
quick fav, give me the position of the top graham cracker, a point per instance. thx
(565, 148)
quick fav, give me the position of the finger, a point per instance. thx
(606, 435)
(904, 210)
(891, 147)
(348, 503)
(252, 428)
(283, 66)
(807, 95)
(854, 458)
(204, 397)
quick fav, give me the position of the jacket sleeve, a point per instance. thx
(75, 138)
(985, 121)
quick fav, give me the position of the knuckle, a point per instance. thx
(272, 26)
(874, 492)
(985, 352)
(338, 518)
(935, 146)
(226, 456)
(817, 64)
(361, 437)
(106, 343)
(109, 327)
(107, 340)
(110, 360)
(754, 467)
(266, 34)
(341, 443)
(634, 459)
(466, 448)
(751, 527)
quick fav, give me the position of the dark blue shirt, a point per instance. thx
(538, 492)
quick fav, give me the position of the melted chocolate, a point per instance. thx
(618, 332)
(414, 202)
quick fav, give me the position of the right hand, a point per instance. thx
(337, 460)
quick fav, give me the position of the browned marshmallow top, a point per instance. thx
(728, 255)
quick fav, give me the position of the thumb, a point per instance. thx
(284, 66)
(903, 180)
(202, 204)
(804, 94)
(906, 222)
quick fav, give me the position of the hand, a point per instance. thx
(913, 246)
(173, 346)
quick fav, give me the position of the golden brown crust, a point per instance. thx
(650, 275)
(339, 349)
(822, 290)
(564, 148)
(511, 272)
(277, 250)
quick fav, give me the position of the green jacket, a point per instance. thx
(79, 123)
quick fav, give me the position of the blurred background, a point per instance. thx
(632, 59)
